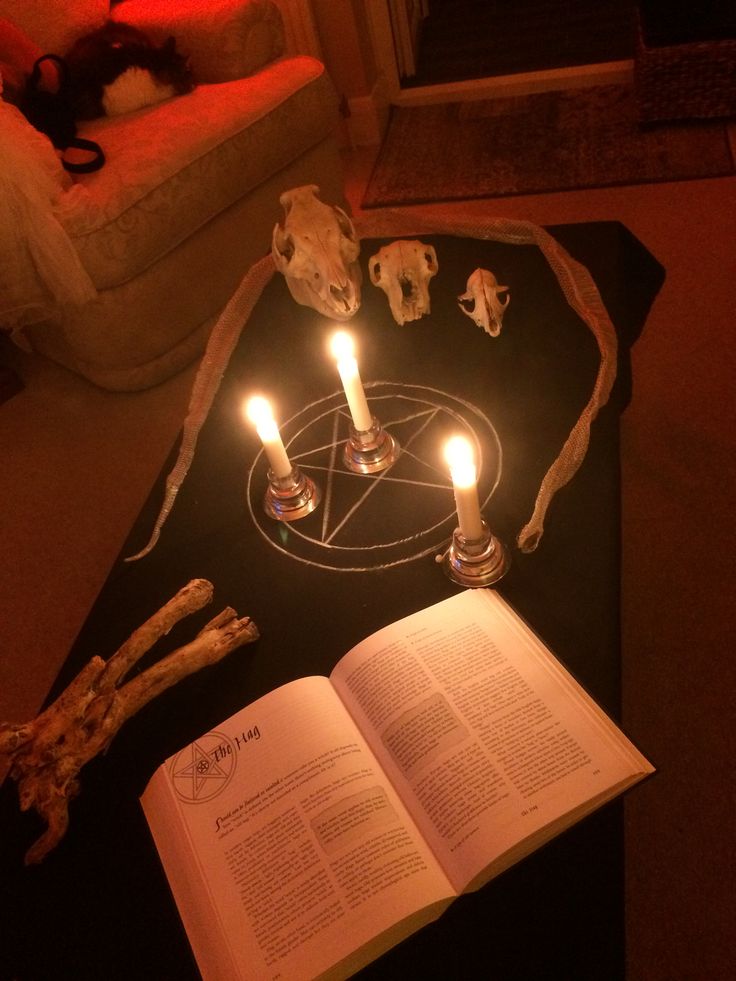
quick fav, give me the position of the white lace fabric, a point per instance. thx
(40, 269)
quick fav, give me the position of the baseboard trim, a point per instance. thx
(522, 83)
(368, 117)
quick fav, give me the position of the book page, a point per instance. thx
(488, 739)
(296, 850)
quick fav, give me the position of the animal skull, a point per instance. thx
(481, 301)
(316, 248)
(403, 270)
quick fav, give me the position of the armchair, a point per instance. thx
(186, 200)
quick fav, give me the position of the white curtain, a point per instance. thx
(39, 266)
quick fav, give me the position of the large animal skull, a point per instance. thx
(403, 270)
(481, 302)
(316, 248)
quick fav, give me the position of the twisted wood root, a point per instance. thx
(44, 756)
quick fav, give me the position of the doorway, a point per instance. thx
(441, 42)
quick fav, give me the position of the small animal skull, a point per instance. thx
(403, 270)
(316, 248)
(481, 301)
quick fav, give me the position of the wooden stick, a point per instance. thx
(46, 754)
(194, 596)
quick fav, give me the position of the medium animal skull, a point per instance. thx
(481, 301)
(403, 270)
(316, 248)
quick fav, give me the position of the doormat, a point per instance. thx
(549, 141)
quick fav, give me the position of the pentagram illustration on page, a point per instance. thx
(203, 769)
(374, 521)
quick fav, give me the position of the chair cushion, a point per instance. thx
(225, 39)
(172, 167)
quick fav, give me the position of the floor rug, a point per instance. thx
(549, 141)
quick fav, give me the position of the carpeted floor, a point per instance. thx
(548, 141)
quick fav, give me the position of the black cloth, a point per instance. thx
(666, 23)
(99, 905)
(52, 113)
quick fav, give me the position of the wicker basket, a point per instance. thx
(684, 81)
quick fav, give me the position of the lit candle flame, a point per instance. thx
(458, 452)
(258, 410)
(342, 345)
(343, 349)
(459, 456)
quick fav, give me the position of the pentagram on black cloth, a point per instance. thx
(372, 521)
(203, 769)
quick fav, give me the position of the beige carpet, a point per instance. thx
(549, 141)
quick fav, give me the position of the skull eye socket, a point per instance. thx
(467, 304)
(344, 223)
(286, 248)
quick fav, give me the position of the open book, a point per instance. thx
(335, 816)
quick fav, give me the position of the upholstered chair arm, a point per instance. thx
(225, 39)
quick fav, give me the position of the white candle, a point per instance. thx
(459, 456)
(342, 349)
(259, 412)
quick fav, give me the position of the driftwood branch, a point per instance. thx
(45, 755)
